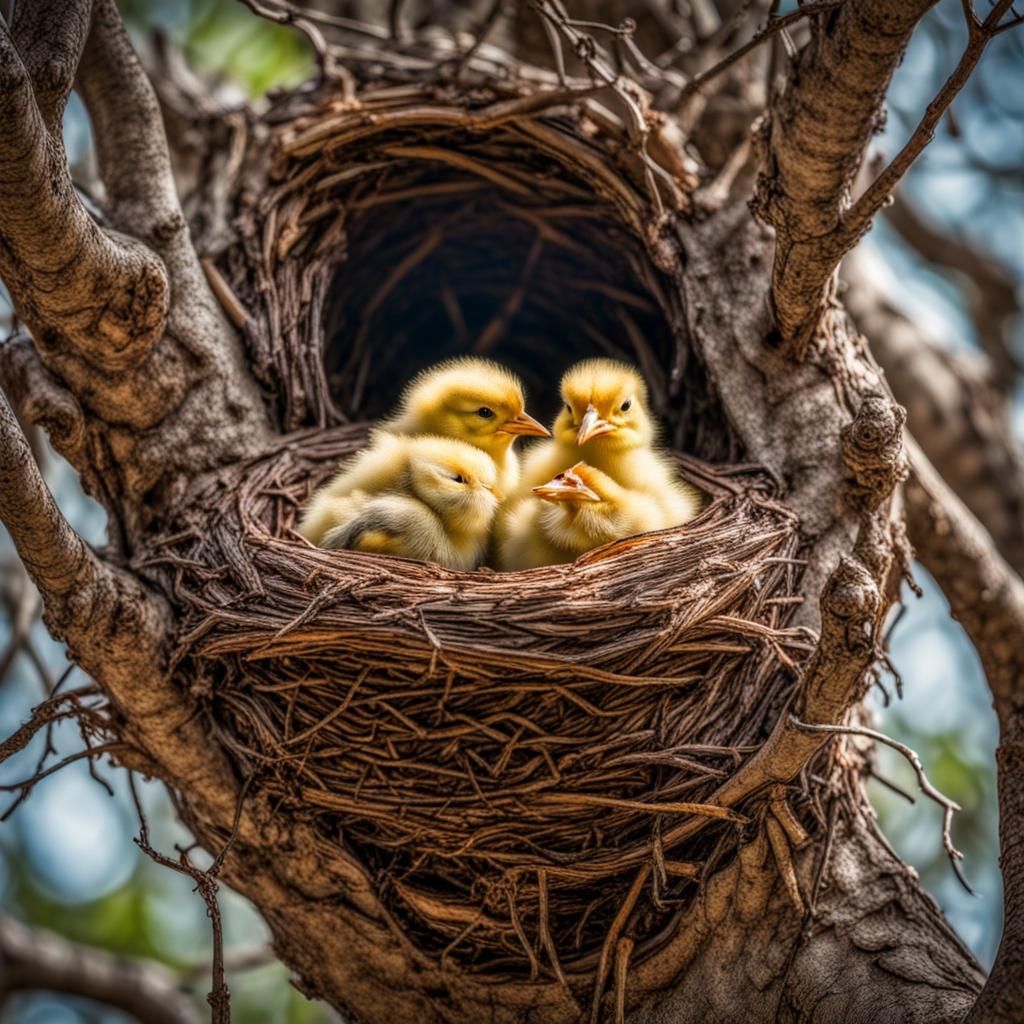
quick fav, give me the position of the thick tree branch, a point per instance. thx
(115, 629)
(33, 959)
(954, 410)
(58, 560)
(49, 36)
(140, 393)
(980, 34)
(987, 597)
(131, 148)
(101, 294)
(819, 129)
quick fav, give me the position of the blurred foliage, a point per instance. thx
(67, 861)
(223, 38)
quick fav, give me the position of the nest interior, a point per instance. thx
(403, 231)
(506, 754)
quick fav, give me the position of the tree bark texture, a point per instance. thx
(194, 344)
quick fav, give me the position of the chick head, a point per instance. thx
(605, 406)
(456, 480)
(577, 485)
(470, 399)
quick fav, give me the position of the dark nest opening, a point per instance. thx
(398, 237)
(507, 755)
(503, 274)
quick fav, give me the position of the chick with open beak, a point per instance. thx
(580, 508)
(606, 422)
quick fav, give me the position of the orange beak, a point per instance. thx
(592, 426)
(525, 425)
(566, 486)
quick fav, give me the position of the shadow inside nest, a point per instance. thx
(501, 751)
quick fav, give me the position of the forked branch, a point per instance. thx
(102, 612)
(98, 294)
(818, 132)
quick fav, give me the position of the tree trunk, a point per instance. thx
(410, 205)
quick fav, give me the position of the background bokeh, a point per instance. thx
(67, 860)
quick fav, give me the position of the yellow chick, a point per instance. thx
(581, 508)
(440, 509)
(605, 422)
(473, 400)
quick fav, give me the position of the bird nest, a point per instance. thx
(505, 754)
(500, 751)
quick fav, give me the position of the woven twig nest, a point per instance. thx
(503, 753)
(476, 738)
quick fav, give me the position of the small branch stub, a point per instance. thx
(872, 447)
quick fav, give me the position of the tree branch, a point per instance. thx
(776, 23)
(49, 36)
(954, 410)
(34, 959)
(878, 192)
(819, 129)
(131, 147)
(102, 294)
(58, 560)
(987, 598)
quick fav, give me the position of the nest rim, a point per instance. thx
(271, 647)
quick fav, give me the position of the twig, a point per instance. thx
(948, 806)
(284, 13)
(776, 23)
(485, 29)
(987, 597)
(856, 221)
(219, 997)
(27, 785)
(395, 18)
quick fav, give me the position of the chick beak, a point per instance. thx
(566, 486)
(592, 426)
(494, 490)
(525, 425)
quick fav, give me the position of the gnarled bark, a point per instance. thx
(149, 390)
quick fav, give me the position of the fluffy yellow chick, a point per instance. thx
(582, 508)
(440, 508)
(606, 423)
(473, 400)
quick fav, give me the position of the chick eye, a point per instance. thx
(459, 478)
(485, 413)
(568, 408)
(626, 404)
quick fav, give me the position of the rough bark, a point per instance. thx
(152, 394)
(818, 130)
(816, 137)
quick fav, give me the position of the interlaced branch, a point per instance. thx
(219, 997)
(102, 294)
(819, 128)
(948, 806)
